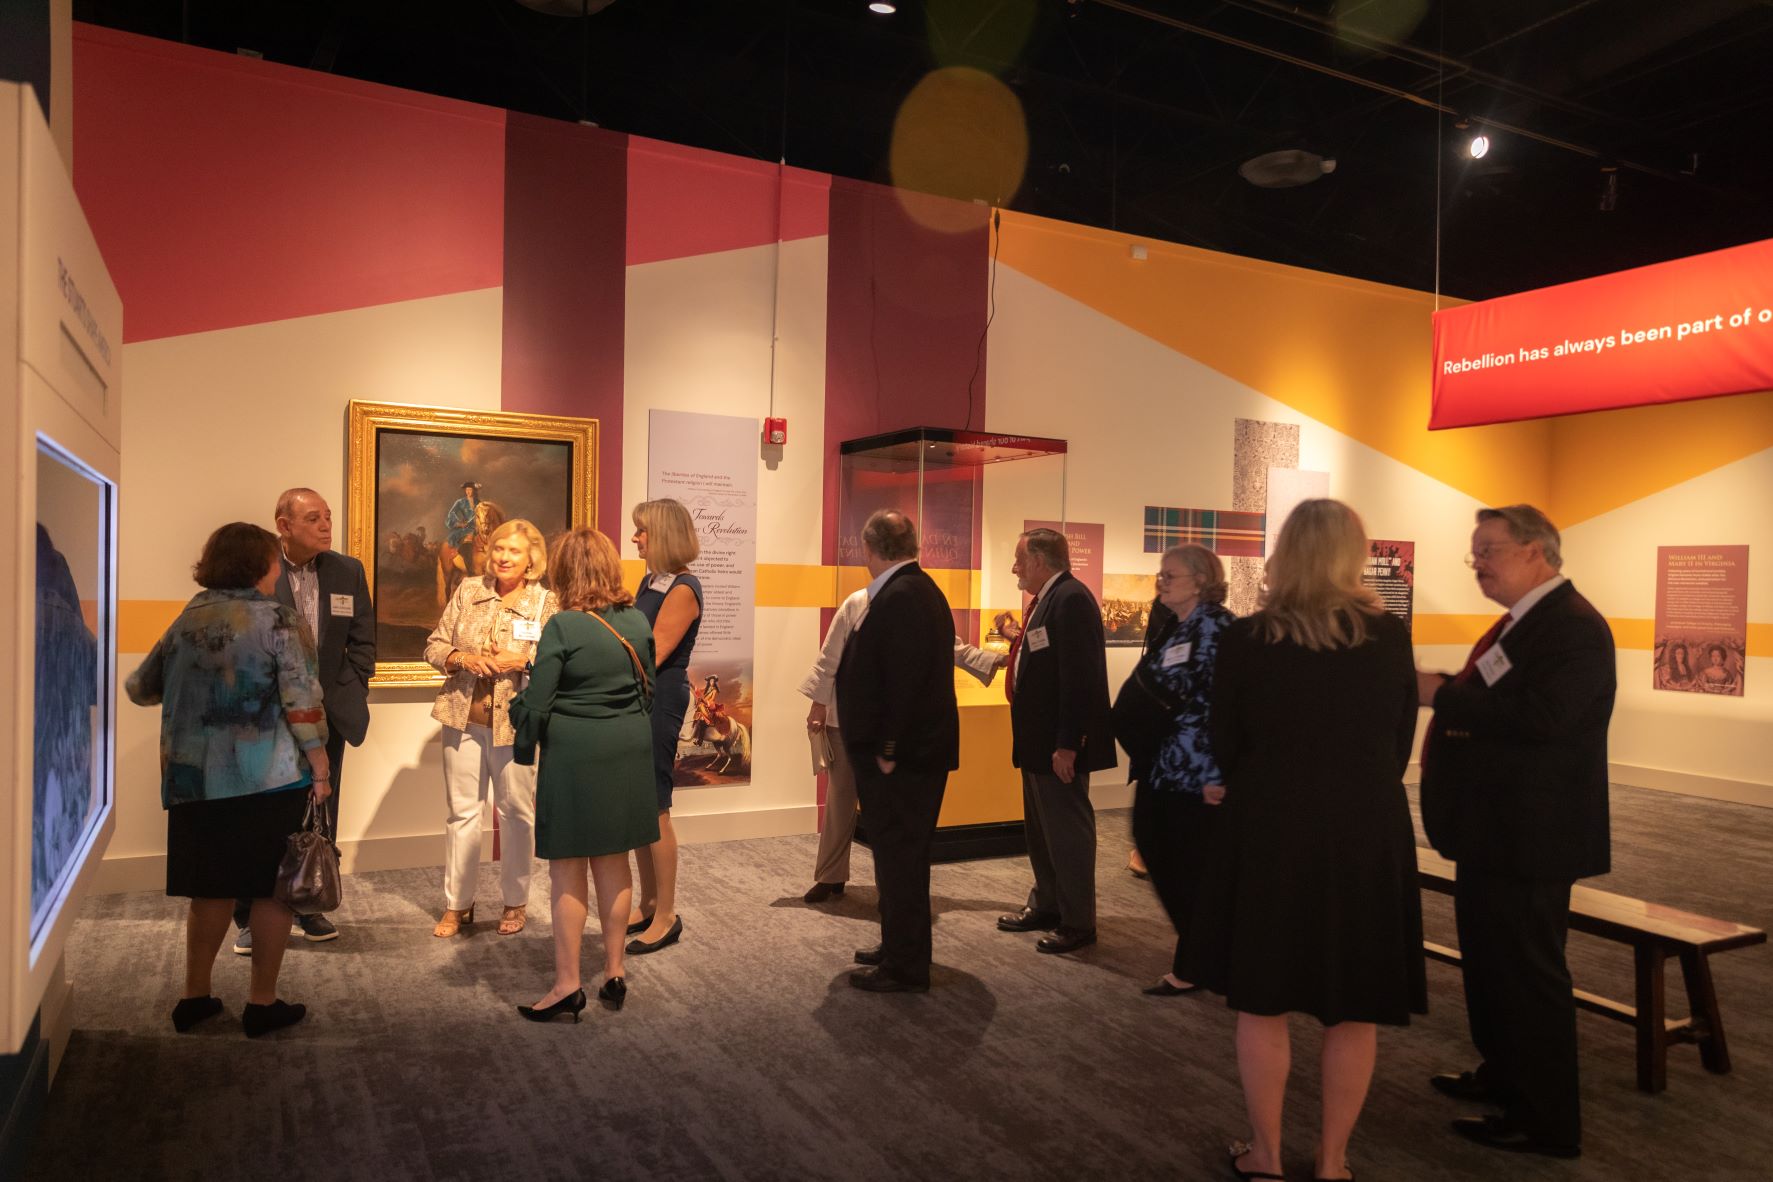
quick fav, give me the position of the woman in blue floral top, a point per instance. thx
(242, 752)
(1174, 818)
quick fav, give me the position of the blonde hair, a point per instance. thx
(671, 541)
(538, 548)
(587, 572)
(1314, 596)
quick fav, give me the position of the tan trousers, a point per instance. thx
(472, 767)
(840, 815)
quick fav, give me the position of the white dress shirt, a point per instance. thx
(1525, 603)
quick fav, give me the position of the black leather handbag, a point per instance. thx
(1143, 714)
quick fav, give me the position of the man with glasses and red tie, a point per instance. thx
(1514, 789)
(1061, 731)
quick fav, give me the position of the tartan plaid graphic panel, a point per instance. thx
(1227, 533)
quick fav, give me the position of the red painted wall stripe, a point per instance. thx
(566, 284)
(226, 191)
(1696, 327)
(689, 201)
(906, 303)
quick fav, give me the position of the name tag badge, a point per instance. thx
(1177, 654)
(344, 605)
(1037, 639)
(1493, 664)
(526, 630)
(663, 582)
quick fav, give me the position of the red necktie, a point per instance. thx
(1485, 643)
(1009, 669)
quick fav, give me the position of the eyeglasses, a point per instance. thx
(1487, 552)
(1164, 576)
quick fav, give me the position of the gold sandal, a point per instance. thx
(452, 921)
(513, 921)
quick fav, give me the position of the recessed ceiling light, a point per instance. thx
(883, 7)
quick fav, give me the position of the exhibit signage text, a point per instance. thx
(1692, 328)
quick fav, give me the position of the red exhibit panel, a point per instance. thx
(1692, 328)
(688, 201)
(230, 191)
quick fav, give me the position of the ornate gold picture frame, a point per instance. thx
(427, 484)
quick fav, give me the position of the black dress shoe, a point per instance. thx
(1061, 942)
(870, 956)
(821, 891)
(881, 981)
(1463, 1085)
(192, 1010)
(1028, 920)
(1500, 1133)
(641, 947)
(1163, 988)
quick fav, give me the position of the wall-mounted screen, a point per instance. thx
(74, 700)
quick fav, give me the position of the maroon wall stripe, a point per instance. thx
(906, 304)
(566, 191)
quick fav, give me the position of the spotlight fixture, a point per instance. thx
(884, 7)
(1479, 147)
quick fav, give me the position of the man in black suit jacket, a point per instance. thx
(1514, 788)
(895, 694)
(331, 594)
(1057, 682)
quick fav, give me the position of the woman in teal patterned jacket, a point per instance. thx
(242, 753)
(1175, 816)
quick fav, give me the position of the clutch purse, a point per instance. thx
(308, 880)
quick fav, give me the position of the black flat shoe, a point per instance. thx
(878, 981)
(613, 993)
(1163, 988)
(641, 947)
(257, 1020)
(192, 1010)
(1239, 1149)
(1499, 1133)
(870, 956)
(821, 891)
(1028, 920)
(1060, 943)
(640, 925)
(572, 1003)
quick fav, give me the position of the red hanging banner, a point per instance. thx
(1692, 328)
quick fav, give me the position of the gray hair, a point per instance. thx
(1051, 546)
(1204, 565)
(286, 501)
(1527, 525)
(890, 535)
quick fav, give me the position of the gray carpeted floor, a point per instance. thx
(743, 1054)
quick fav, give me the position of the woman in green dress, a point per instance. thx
(586, 708)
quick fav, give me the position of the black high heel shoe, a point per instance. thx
(613, 993)
(641, 947)
(572, 1003)
(640, 925)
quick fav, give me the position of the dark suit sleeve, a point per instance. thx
(1403, 662)
(360, 640)
(1222, 714)
(1569, 675)
(894, 696)
(1077, 646)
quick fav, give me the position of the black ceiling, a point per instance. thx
(1138, 113)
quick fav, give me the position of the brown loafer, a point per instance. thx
(513, 921)
(452, 921)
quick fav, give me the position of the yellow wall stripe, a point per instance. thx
(140, 622)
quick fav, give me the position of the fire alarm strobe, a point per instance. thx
(775, 431)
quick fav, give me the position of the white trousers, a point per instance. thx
(472, 765)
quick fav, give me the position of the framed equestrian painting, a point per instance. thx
(428, 484)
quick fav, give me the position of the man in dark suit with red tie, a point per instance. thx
(901, 729)
(1057, 682)
(1514, 789)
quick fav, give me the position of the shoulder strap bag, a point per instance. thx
(646, 685)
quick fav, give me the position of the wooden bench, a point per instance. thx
(1654, 933)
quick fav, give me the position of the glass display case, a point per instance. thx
(971, 494)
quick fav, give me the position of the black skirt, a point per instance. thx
(230, 848)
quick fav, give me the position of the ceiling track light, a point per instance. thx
(884, 7)
(1479, 147)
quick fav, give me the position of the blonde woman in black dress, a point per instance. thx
(1310, 904)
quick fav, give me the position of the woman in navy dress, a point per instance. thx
(671, 599)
